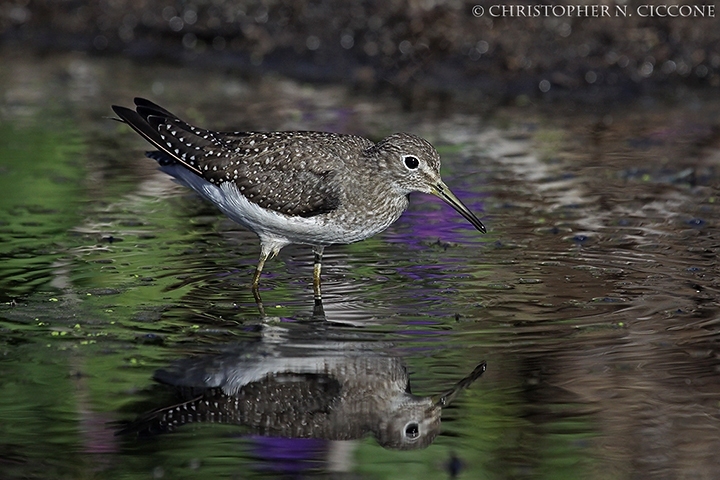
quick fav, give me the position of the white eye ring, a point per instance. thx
(411, 162)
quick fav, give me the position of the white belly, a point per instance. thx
(324, 229)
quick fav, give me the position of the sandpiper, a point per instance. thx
(312, 188)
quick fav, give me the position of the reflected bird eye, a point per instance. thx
(412, 430)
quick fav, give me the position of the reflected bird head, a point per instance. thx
(413, 423)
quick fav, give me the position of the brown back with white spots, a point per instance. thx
(287, 172)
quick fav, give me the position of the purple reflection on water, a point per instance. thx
(426, 333)
(422, 322)
(420, 228)
(439, 221)
(430, 272)
(445, 218)
(97, 438)
(289, 454)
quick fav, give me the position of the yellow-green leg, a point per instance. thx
(317, 268)
(264, 254)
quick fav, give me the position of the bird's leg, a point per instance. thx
(317, 267)
(264, 254)
(318, 310)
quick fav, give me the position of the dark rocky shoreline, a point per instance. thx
(416, 49)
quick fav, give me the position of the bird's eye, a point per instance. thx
(411, 162)
(412, 429)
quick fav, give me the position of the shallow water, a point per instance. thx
(593, 298)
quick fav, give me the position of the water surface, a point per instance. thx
(593, 298)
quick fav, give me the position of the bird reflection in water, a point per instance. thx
(301, 391)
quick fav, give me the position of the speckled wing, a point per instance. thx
(284, 405)
(288, 172)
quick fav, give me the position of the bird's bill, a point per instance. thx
(441, 190)
(444, 399)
